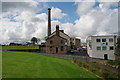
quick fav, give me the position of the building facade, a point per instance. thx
(75, 43)
(57, 44)
(102, 47)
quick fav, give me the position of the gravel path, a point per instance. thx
(83, 58)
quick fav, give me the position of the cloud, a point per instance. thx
(96, 21)
(101, 5)
(68, 28)
(93, 21)
(108, 4)
(19, 6)
(84, 7)
(57, 13)
(22, 23)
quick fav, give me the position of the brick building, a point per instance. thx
(75, 43)
(57, 42)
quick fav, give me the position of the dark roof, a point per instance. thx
(56, 35)
(62, 32)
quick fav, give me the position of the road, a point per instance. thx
(77, 55)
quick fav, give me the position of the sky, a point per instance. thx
(23, 20)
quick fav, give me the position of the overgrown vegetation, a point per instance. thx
(117, 52)
(114, 63)
(91, 66)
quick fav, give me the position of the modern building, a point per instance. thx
(102, 47)
(57, 42)
(75, 43)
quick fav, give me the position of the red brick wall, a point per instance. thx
(56, 42)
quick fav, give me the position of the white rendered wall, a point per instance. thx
(100, 53)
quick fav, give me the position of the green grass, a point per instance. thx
(32, 65)
(0, 64)
(19, 47)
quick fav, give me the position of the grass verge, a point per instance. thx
(18, 47)
(32, 65)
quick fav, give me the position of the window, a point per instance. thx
(90, 46)
(62, 41)
(104, 48)
(62, 48)
(103, 40)
(51, 42)
(111, 40)
(106, 43)
(98, 48)
(98, 40)
(51, 48)
(111, 48)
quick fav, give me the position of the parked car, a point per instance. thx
(72, 51)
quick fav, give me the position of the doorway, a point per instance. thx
(56, 49)
(105, 56)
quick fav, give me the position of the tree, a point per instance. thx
(35, 40)
(117, 52)
(118, 43)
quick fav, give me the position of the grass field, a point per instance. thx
(18, 47)
(32, 65)
(0, 64)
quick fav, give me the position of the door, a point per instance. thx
(56, 49)
(105, 56)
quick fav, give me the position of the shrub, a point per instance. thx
(116, 62)
(91, 66)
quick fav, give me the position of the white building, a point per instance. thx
(101, 47)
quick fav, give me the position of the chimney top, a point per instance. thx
(57, 26)
(49, 9)
(57, 30)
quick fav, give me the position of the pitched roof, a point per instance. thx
(60, 31)
(56, 35)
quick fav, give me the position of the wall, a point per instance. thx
(100, 53)
(56, 42)
(62, 35)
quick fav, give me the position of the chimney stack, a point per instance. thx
(57, 30)
(62, 31)
(49, 21)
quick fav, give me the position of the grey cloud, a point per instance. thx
(22, 6)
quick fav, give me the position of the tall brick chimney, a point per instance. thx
(49, 21)
(57, 30)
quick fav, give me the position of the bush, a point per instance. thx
(116, 62)
(91, 66)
